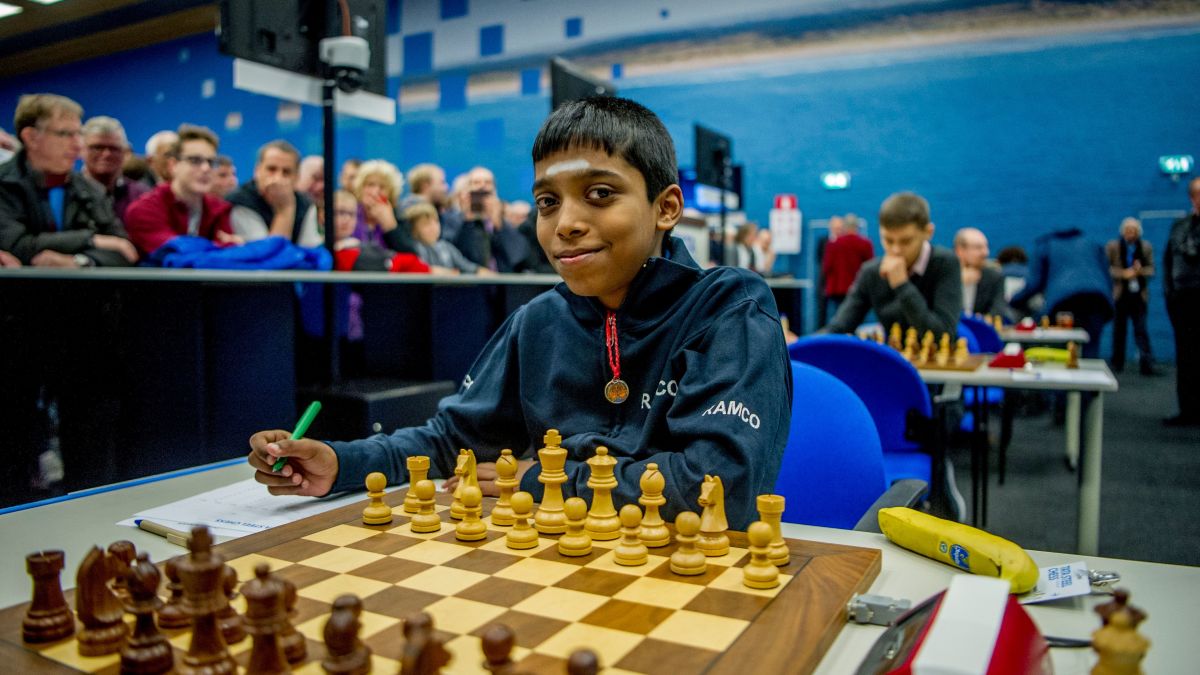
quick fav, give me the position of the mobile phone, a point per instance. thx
(477, 199)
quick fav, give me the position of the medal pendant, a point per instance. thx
(616, 391)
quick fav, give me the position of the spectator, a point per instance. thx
(269, 205)
(743, 244)
(1131, 264)
(1181, 281)
(452, 215)
(157, 150)
(377, 186)
(513, 244)
(441, 256)
(845, 254)
(914, 284)
(224, 177)
(835, 230)
(184, 205)
(426, 182)
(311, 182)
(1072, 273)
(1014, 265)
(137, 169)
(105, 149)
(8, 146)
(481, 216)
(354, 255)
(983, 286)
(764, 252)
(348, 173)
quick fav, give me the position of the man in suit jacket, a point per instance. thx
(983, 285)
(914, 283)
(1131, 264)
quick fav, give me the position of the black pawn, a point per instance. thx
(498, 641)
(228, 619)
(172, 615)
(583, 662)
(147, 651)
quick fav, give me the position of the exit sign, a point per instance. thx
(1173, 165)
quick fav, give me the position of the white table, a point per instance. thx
(1168, 593)
(1092, 376)
(1045, 336)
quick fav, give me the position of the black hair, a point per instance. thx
(619, 127)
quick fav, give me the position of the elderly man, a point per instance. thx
(983, 285)
(481, 213)
(157, 150)
(311, 182)
(105, 149)
(1131, 264)
(269, 205)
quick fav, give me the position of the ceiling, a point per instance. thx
(44, 36)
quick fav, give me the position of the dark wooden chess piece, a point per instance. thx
(424, 653)
(583, 662)
(498, 641)
(265, 617)
(1120, 601)
(121, 556)
(98, 607)
(147, 651)
(49, 617)
(295, 646)
(201, 574)
(347, 655)
(231, 624)
(172, 615)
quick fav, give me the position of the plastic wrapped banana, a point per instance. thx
(962, 546)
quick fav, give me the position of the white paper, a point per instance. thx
(1069, 376)
(785, 231)
(1059, 581)
(239, 509)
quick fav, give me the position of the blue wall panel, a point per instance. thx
(418, 53)
(491, 40)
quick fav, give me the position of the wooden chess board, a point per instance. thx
(637, 619)
(972, 363)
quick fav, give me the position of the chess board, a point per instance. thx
(972, 363)
(642, 619)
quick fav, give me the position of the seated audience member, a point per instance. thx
(512, 245)
(269, 205)
(354, 255)
(136, 168)
(481, 212)
(105, 148)
(348, 173)
(983, 285)
(1072, 273)
(426, 183)
(311, 182)
(845, 253)
(441, 256)
(1131, 265)
(914, 283)
(50, 215)
(224, 177)
(8, 146)
(377, 186)
(183, 205)
(764, 252)
(1014, 265)
(715, 333)
(158, 147)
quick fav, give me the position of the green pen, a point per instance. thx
(301, 427)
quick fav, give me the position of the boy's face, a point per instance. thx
(595, 222)
(905, 241)
(345, 217)
(427, 230)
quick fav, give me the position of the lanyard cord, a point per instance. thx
(614, 347)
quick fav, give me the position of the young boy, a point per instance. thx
(353, 255)
(914, 284)
(441, 256)
(639, 351)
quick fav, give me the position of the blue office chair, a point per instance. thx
(832, 473)
(987, 337)
(892, 390)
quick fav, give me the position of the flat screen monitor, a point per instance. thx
(286, 33)
(714, 152)
(568, 83)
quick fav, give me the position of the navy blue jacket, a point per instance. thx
(1066, 265)
(710, 391)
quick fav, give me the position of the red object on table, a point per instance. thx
(1003, 360)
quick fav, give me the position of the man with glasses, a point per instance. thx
(183, 205)
(105, 149)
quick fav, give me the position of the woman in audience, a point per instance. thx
(377, 187)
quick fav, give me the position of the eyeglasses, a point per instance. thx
(99, 148)
(198, 161)
(349, 213)
(63, 133)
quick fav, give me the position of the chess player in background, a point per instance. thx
(983, 285)
(914, 284)
(639, 350)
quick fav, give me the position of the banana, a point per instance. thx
(963, 546)
(1047, 354)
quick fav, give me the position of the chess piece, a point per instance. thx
(522, 535)
(894, 338)
(713, 541)
(1072, 355)
(1120, 601)
(49, 617)
(1045, 323)
(121, 555)
(172, 614)
(346, 654)
(424, 653)
(943, 352)
(631, 551)
(770, 511)
(654, 532)
(467, 476)
(418, 470)
(928, 350)
(426, 518)
(602, 522)
(583, 662)
(910, 344)
(961, 353)
(471, 527)
(265, 619)
(227, 618)
(576, 542)
(98, 607)
(1118, 645)
(295, 646)
(201, 573)
(498, 641)
(377, 512)
(686, 559)
(760, 572)
(147, 651)
(507, 483)
(550, 518)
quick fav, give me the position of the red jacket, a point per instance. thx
(157, 217)
(843, 257)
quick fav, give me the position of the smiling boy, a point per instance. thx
(639, 350)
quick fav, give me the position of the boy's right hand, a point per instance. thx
(311, 467)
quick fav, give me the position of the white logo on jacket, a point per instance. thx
(736, 409)
(668, 388)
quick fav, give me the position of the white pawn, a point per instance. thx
(576, 542)
(687, 559)
(654, 532)
(426, 518)
(760, 572)
(522, 535)
(471, 527)
(377, 512)
(631, 551)
(506, 481)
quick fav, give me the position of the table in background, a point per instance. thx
(1092, 376)
(1166, 592)
(1045, 336)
